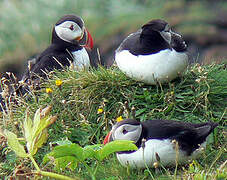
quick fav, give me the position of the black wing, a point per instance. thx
(139, 44)
(48, 61)
(188, 135)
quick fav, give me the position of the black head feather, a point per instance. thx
(154, 25)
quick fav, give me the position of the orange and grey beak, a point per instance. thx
(107, 138)
(86, 40)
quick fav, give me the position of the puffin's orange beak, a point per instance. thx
(89, 42)
(85, 40)
(107, 138)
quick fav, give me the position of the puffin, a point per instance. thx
(154, 54)
(68, 43)
(160, 141)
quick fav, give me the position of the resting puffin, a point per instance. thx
(69, 37)
(152, 54)
(161, 139)
(68, 43)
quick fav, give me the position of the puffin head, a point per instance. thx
(71, 29)
(159, 26)
(128, 129)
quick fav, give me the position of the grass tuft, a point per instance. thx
(87, 103)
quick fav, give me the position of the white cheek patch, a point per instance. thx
(133, 132)
(66, 34)
(175, 34)
(166, 36)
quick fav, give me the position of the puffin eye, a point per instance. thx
(124, 131)
(71, 27)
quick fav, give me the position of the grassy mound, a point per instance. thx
(88, 103)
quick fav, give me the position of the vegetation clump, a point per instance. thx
(87, 103)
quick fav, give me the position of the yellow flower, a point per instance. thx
(156, 164)
(49, 90)
(58, 82)
(119, 119)
(100, 110)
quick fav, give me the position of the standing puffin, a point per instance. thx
(152, 54)
(69, 37)
(162, 138)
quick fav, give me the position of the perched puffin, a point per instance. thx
(68, 43)
(69, 40)
(152, 54)
(158, 140)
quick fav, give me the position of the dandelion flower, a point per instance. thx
(156, 164)
(58, 82)
(49, 90)
(100, 111)
(119, 119)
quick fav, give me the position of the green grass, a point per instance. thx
(199, 95)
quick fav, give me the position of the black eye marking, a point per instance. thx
(124, 131)
(71, 27)
(166, 30)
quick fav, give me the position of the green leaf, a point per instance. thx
(95, 147)
(90, 151)
(35, 133)
(65, 150)
(36, 122)
(115, 146)
(42, 120)
(44, 123)
(140, 111)
(39, 140)
(179, 96)
(66, 161)
(27, 127)
(14, 144)
(62, 142)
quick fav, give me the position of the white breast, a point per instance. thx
(163, 66)
(164, 148)
(81, 59)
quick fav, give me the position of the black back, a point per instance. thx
(188, 135)
(148, 40)
(54, 57)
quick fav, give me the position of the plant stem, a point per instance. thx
(90, 171)
(33, 161)
(97, 165)
(56, 176)
(49, 174)
(177, 159)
